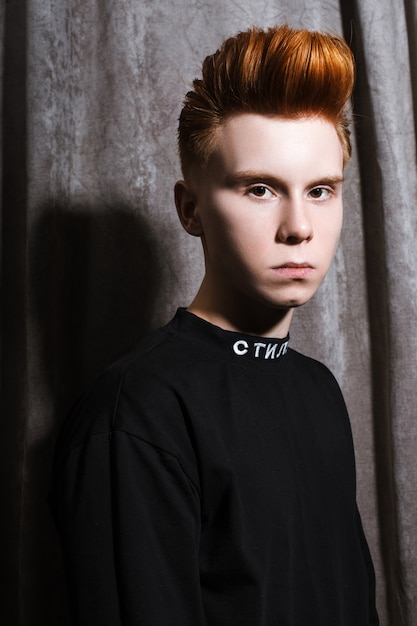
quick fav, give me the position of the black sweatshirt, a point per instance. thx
(208, 479)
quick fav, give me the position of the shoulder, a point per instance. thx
(309, 364)
(316, 392)
(136, 394)
(314, 374)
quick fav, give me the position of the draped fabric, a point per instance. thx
(93, 256)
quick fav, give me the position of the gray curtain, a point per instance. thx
(92, 255)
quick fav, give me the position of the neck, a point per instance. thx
(240, 315)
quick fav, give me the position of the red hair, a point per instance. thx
(280, 71)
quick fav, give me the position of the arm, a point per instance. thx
(373, 616)
(129, 520)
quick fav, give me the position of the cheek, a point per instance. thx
(327, 235)
(224, 227)
(332, 237)
(235, 244)
(331, 223)
(338, 227)
(221, 238)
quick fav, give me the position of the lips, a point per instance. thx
(294, 270)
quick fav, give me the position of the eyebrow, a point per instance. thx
(247, 177)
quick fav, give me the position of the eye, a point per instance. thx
(260, 191)
(320, 193)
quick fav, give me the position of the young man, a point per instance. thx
(208, 477)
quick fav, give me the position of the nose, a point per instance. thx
(294, 223)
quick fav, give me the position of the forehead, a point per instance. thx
(257, 142)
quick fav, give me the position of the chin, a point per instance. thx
(297, 298)
(293, 298)
(292, 302)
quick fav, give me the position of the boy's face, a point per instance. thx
(268, 209)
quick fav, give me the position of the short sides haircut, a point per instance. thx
(280, 71)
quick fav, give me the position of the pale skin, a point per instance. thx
(269, 211)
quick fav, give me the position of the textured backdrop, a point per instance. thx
(93, 255)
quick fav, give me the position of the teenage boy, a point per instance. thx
(208, 477)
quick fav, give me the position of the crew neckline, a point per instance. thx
(232, 345)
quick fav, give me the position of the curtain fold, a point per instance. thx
(386, 102)
(93, 256)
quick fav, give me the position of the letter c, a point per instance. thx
(240, 347)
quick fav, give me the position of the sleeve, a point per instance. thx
(373, 615)
(129, 520)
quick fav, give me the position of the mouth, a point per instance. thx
(294, 270)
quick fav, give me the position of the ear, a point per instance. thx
(186, 203)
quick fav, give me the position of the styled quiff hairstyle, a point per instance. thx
(280, 71)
